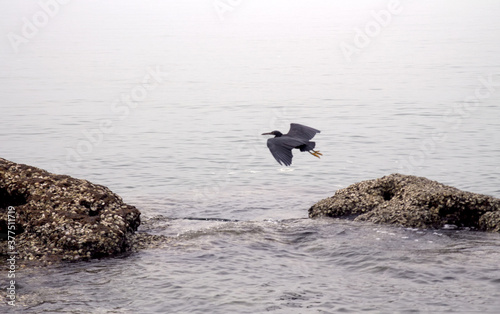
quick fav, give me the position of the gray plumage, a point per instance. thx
(298, 136)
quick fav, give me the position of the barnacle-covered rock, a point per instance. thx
(56, 217)
(413, 202)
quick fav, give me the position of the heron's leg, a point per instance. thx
(316, 153)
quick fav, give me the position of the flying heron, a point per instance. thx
(298, 136)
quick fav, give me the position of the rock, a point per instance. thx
(412, 202)
(58, 217)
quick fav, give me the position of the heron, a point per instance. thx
(298, 136)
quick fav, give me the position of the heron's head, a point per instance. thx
(275, 133)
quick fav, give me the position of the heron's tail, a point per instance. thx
(307, 146)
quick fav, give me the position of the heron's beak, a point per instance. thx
(269, 133)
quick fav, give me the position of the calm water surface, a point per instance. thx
(165, 102)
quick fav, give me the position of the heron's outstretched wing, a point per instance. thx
(281, 148)
(302, 131)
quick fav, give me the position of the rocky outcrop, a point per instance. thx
(412, 202)
(56, 217)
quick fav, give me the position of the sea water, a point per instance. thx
(164, 102)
